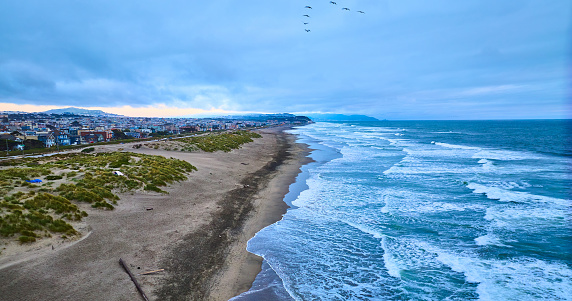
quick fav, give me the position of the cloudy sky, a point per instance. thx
(401, 59)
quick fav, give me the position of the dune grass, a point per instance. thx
(213, 142)
(31, 211)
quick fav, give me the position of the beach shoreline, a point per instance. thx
(269, 207)
(215, 212)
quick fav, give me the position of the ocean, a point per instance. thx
(424, 210)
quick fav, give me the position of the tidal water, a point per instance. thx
(425, 210)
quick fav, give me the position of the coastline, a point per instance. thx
(232, 195)
(242, 267)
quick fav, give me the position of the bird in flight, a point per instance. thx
(306, 16)
(307, 30)
(361, 12)
(305, 23)
(345, 8)
(308, 7)
(333, 2)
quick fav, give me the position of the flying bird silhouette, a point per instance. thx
(361, 12)
(308, 7)
(307, 30)
(305, 23)
(333, 2)
(345, 8)
(305, 16)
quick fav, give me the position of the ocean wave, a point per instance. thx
(487, 165)
(405, 201)
(503, 195)
(505, 155)
(364, 229)
(424, 168)
(494, 154)
(516, 217)
(390, 264)
(519, 279)
(489, 239)
(457, 146)
(515, 279)
(368, 227)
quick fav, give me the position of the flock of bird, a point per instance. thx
(331, 2)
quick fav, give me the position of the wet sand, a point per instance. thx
(197, 233)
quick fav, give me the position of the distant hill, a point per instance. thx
(78, 111)
(340, 117)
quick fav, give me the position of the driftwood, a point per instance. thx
(152, 272)
(133, 279)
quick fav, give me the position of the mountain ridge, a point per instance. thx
(78, 111)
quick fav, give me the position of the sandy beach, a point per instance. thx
(197, 233)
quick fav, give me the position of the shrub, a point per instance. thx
(88, 150)
(103, 205)
(28, 233)
(51, 178)
(151, 187)
(61, 227)
(26, 239)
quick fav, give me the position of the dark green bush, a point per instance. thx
(26, 239)
(103, 205)
(151, 187)
(61, 227)
(28, 233)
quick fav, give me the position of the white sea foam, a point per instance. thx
(397, 142)
(434, 207)
(364, 229)
(390, 264)
(510, 184)
(503, 195)
(457, 146)
(513, 217)
(488, 239)
(385, 209)
(495, 154)
(512, 280)
(504, 155)
(487, 165)
(424, 168)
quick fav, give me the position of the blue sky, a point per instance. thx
(402, 59)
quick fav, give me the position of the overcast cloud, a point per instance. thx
(399, 60)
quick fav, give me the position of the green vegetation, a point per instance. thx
(212, 142)
(88, 150)
(30, 212)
